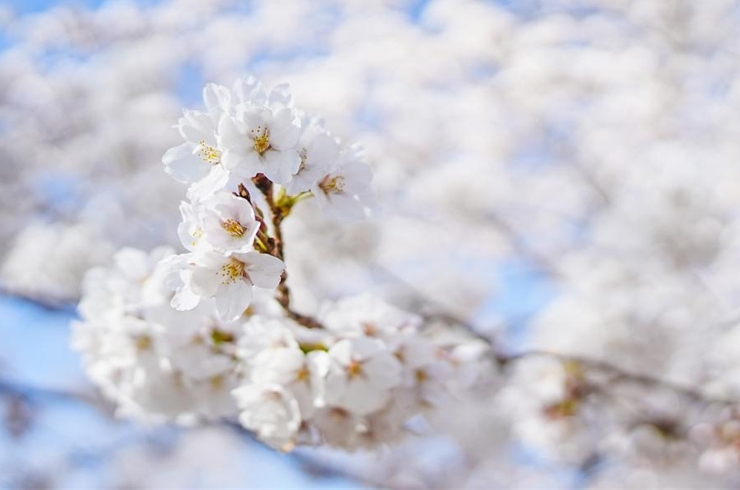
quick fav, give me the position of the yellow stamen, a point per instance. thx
(332, 184)
(303, 374)
(143, 343)
(208, 153)
(369, 329)
(233, 228)
(217, 382)
(354, 369)
(261, 138)
(232, 271)
(197, 234)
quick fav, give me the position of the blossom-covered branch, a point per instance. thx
(211, 334)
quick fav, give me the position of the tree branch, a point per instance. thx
(276, 247)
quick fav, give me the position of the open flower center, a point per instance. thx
(232, 271)
(261, 139)
(233, 228)
(208, 153)
(332, 185)
(143, 343)
(303, 374)
(354, 369)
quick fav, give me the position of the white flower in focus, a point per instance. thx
(361, 375)
(318, 151)
(271, 412)
(342, 190)
(261, 140)
(229, 223)
(229, 279)
(195, 159)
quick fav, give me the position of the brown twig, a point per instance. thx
(276, 247)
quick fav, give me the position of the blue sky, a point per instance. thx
(28, 6)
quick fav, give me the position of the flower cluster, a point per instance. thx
(355, 383)
(248, 143)
(200, 335)
(250, 131)
(154, 362)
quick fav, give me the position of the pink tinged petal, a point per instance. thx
(263, 270)
(233, 298)
(281, 165)
(183, 165)
(284, 133)
(383, 370)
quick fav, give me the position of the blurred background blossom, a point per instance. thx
(557, 175)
